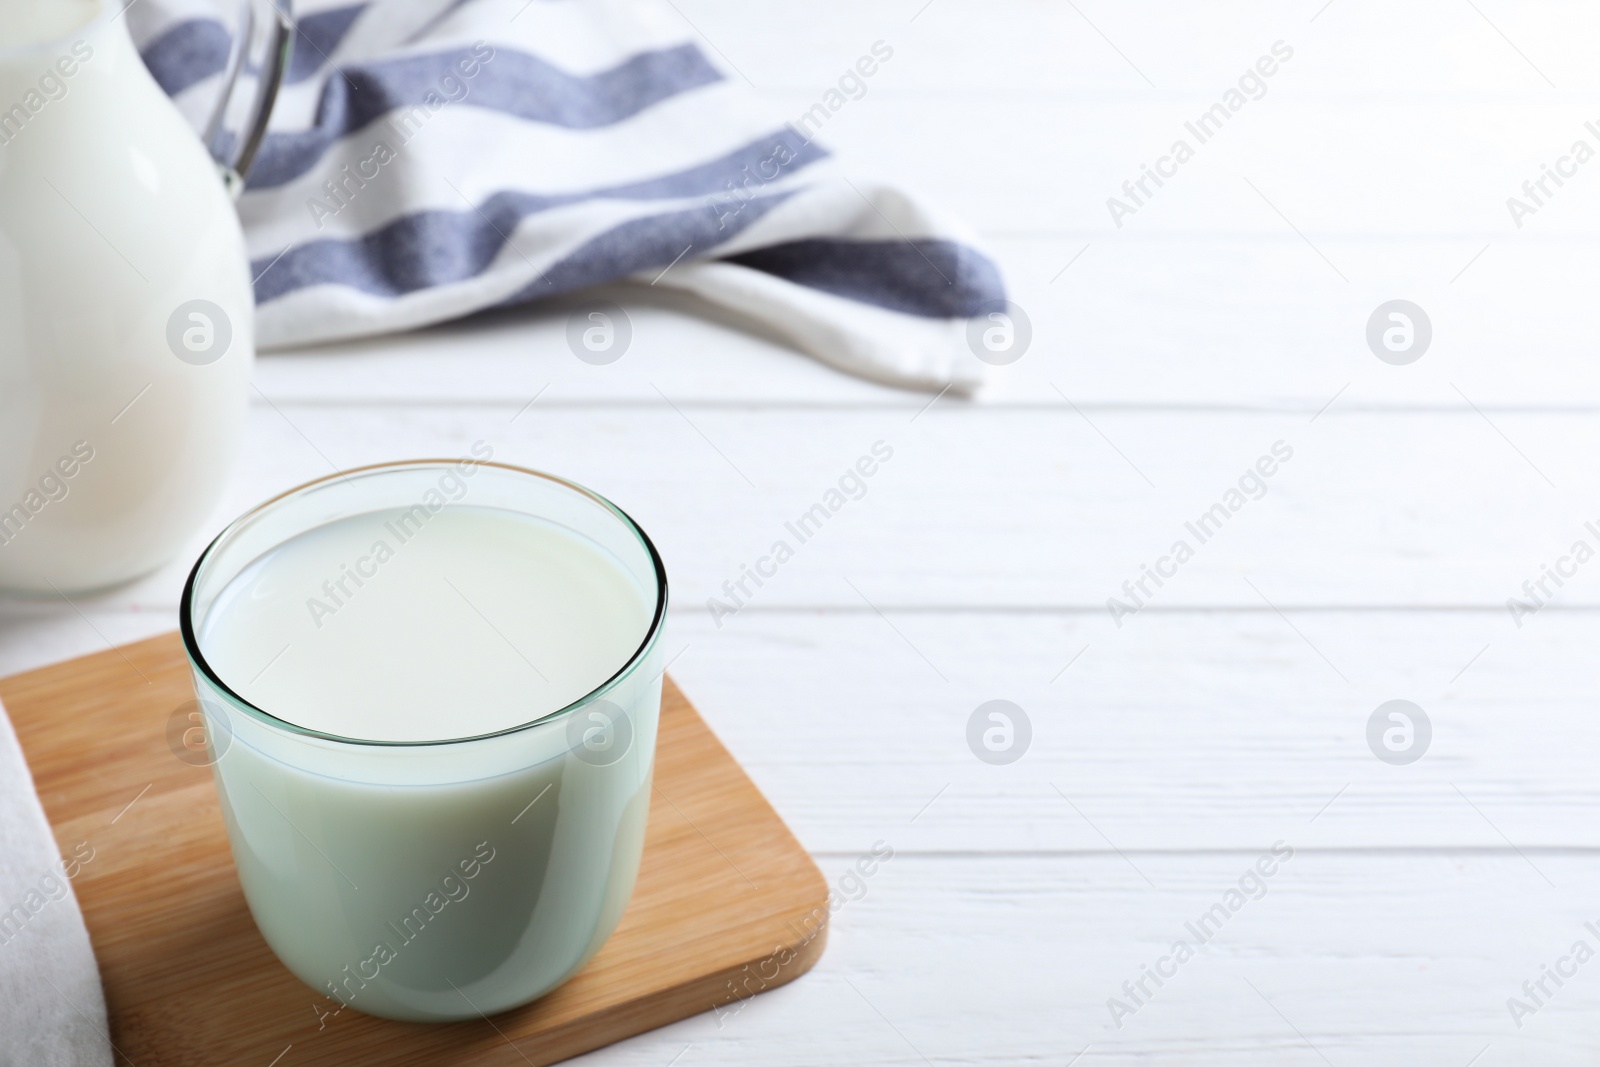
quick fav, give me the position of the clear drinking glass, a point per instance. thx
(443, 879)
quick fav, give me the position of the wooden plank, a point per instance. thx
(723, 887)
(1028, 50)
(1374, 958)
(1039, 509)
(1065, 496)
(1216, 321)
(1185, 730)
(1447, 168)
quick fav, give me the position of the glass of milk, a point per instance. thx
(431, 692)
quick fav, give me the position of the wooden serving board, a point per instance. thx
(727, 904)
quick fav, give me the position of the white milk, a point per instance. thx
(388, 627)
(433, 882)
(113, 219)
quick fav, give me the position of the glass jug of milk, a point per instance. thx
(126, 333)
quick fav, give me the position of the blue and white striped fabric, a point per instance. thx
(432, 158)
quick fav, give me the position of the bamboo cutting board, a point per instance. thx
(727, 904)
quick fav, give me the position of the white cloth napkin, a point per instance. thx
(432, 158)
(52, 1012)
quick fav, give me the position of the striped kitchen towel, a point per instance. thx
(432, 158)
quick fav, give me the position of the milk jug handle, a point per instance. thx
(266, 62)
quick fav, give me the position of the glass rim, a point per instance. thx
(197, 660)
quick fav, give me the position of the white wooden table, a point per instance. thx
(1170, 752)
